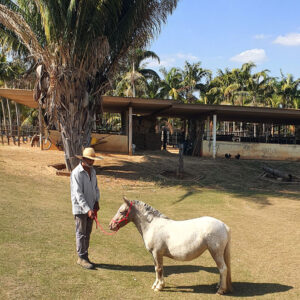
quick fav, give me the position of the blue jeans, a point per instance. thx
(83, 228)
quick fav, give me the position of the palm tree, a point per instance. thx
(78, 46)
(171, 84)
(288, 89)
(195, 78)
(257, 84)
(222, 88)
(134, 80)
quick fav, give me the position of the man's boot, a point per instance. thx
(83, 262)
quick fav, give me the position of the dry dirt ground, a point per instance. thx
(263, 213)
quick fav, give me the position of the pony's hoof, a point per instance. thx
(158, 288)
(220, 292)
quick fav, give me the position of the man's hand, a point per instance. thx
(96, 206)
(91, 214)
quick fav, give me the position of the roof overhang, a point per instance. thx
(171, 108)
(20, 96)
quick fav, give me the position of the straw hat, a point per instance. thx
(90, 154)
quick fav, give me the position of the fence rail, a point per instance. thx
(17, 134)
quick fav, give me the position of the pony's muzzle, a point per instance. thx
(113, 226)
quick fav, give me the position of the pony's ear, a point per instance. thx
(126, 200)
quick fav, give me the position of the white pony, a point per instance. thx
(180, 240)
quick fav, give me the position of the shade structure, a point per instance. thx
(171, 108)
(20, 96)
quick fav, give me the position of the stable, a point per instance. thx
(210, 139)
(215, 130)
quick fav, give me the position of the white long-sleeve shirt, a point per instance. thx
(84, 190)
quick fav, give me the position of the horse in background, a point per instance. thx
(179, 240)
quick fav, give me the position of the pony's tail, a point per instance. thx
(227, 262)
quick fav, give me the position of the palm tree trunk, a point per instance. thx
(74, 113)
(133, 83)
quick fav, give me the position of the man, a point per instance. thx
(85, 195)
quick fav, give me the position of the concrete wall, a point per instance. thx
(253, 150)
(111, 143)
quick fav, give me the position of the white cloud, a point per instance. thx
(253, 55)
(166, 62)
(188, 57)
(261, 36)
(290, 39)
(172, 60)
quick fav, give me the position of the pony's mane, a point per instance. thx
(147, 209)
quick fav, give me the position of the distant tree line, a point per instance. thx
(194, 84)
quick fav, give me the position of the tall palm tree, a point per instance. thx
(170, 85)
(134, 79)
(222, 88)
(195, 78)
(257, 84)
(288, 89)
(78, 46)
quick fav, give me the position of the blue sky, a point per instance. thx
(228, 33)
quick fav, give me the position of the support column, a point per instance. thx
(208, 128)
(214, 135)
(18, 121)
(130, 131)
(4, 121)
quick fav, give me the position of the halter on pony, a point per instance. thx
(118, 222)
(125, 218)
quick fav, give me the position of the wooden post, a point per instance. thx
(214, 135)
(4, 121)
(4, 117)
(41, 127)
(1, 130)
(9, 117)
(18, 122)
(130, 131)
(9, 130)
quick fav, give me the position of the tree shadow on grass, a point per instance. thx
(168, 270)
(242, 178)
(241, 289)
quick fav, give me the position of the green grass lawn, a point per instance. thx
(37, 241)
